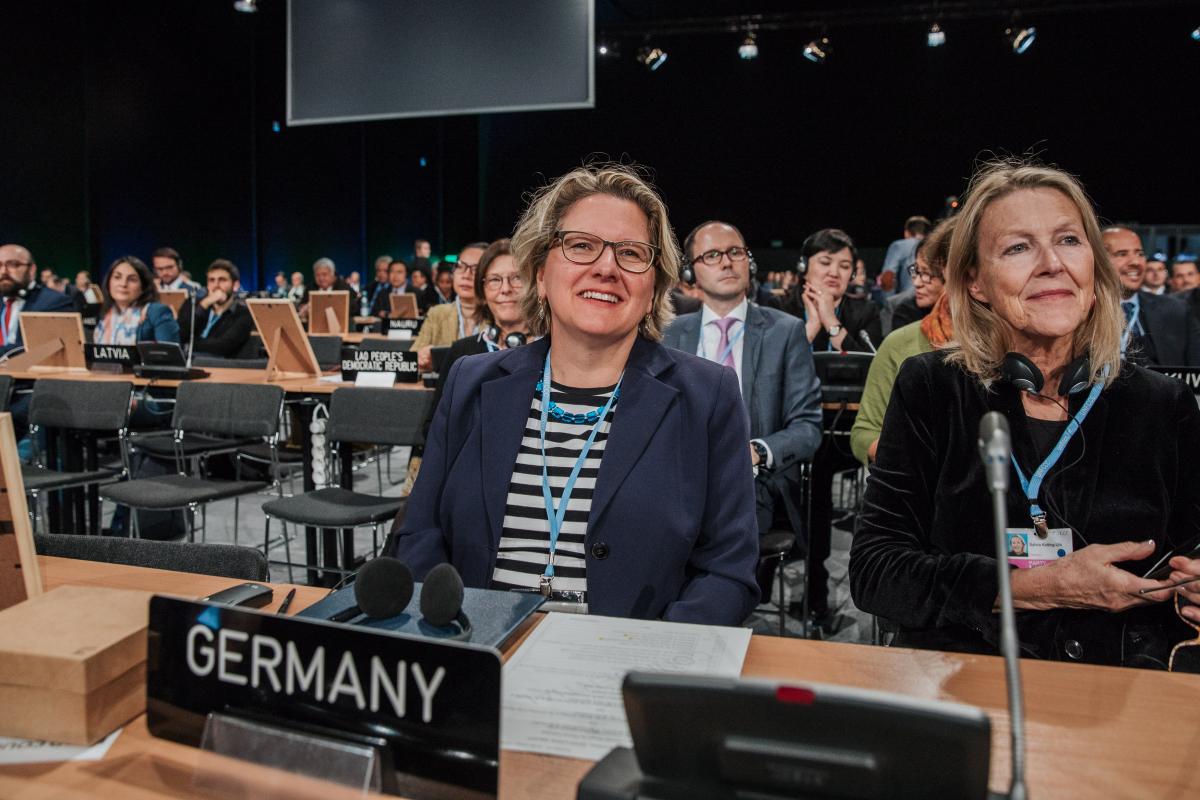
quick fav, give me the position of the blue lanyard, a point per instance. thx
(555, 517)
(728, 348)
(1032, 487)
(212, 320)
(1133, 321)
(6, 319)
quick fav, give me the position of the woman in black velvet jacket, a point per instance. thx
(1028, 275)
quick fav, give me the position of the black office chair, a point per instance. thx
(249, 412)
(328, 350)
(221, 560)
(390, 417)
(82, 406)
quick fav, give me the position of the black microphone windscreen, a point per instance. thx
(383, 587)
(441, 595)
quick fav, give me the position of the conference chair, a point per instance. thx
(226, 410)
(78, 408)
(387, 417)
(328, 350)
(775, 546)
(221, 560)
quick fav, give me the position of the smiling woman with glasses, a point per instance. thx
(594, 465)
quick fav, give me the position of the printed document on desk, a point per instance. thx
(561, 691)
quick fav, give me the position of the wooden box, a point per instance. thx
(73, 664)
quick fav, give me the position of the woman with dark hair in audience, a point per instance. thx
(131, 312)
(593, 465)
(934, 330)
(1037, 322)
(450, 321)
(832, 320)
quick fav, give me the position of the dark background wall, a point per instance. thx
(134, 124)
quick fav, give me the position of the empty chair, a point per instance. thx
(221, 560)
(385, 417)
(328, 350)
(248, 412)
(91, 406)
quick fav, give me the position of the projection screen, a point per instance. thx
(351, 60)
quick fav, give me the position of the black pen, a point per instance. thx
(287, 601)
(1192, 579)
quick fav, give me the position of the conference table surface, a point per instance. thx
(1093, 731)
(302, 385)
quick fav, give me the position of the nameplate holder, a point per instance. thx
(425, 711)
(111, 357)
(375, 380)
(396, 327)
(402, 365)
(1189, 375)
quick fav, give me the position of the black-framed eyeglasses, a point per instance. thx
(465, 268)
(713, 257)
(494, 282)
(921, 276)
(15, 264)
(579, 247)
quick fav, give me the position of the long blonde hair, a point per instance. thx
(980, 341)
(535, 236)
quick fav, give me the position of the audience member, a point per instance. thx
(90, 291)
(1159, 329)
(832, 321)
(20, 292)
(298, 290)
(1034, 296)
(769, 352)
(449, 321)
(222, 321)
(397, 284)
(659, 437)
(419, 287)
(1154, 279)
(441, 291)
(326, 279)
(420, 261)
(378, 285)
(685, 298)
(1184, 275)
(931, 331)
(131, 312)
(354, 282)
(280, 289)
(168, 271)
(893, 276)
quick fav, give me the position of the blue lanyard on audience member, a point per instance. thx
(728, 348)
(1031, 487)
(555, 517)
(1133, 321)
(212, 320)
(6, 315)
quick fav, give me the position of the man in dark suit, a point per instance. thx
(20, 292)
(1161, 329)
(770, 352)
(221, 320)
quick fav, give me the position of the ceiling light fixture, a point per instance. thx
(652, 57)
(818, 50)
(936, 37)
(748, 50)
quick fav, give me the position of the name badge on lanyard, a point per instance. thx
(1032, 486)
(1027, 548)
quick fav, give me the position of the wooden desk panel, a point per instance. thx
(215, 375)
(1093, 731)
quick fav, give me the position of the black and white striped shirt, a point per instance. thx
(525, 539)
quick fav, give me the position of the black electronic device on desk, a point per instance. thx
(438, 356)
(706, 738)
(843, 376)
(165, 360)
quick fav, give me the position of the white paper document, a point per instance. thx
(31, 751)
(561, 691)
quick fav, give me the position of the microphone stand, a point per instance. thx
(192, 329)
(866, 338)
(996, 452)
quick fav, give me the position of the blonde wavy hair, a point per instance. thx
(535, 236)
(980, 335)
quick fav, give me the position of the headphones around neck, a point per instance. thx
(492, 334)
(1026, 377)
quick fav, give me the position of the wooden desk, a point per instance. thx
(215, 375)
(1093, 731)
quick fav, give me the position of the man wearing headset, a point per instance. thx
(19, 292)
(770, 353)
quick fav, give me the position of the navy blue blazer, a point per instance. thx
(672, 531)
(39, 298)
(159, 325)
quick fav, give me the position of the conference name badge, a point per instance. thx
(1026, 549)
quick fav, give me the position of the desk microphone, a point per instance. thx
(382, 589)
(192, 331)
(866, 339)
(995, 449)
(442, 599)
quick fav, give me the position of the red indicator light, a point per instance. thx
(795, 694)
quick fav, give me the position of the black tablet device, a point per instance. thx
(843, 376)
